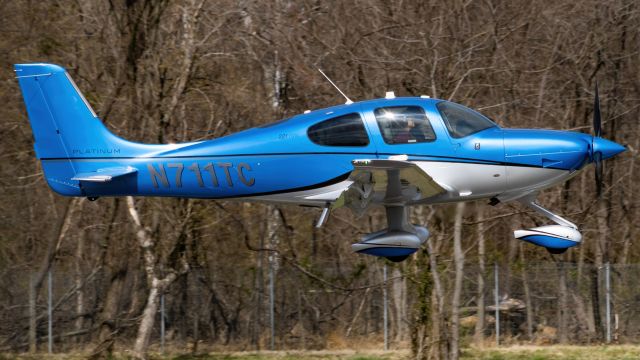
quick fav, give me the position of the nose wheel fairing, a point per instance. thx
(549, 242)
(555, 238)
(551, 236)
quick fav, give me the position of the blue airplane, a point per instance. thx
(391, 152)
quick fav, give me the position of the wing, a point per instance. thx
(104, 175)
(386, 182)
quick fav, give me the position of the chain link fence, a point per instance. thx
(557, 303)
(329, 305)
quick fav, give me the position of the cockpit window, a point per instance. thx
(462, 121)
(404, 125)
(345, 130)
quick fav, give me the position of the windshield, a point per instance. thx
(462, 121)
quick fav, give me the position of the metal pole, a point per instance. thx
(385, 310)
(50, 311)
(607, 285)
(272, 305)
(300, 321)
(497, 300)
(162, 330)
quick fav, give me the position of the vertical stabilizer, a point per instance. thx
(63, 123)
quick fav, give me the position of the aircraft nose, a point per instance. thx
(607, 148)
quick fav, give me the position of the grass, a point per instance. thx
(304, 355)
(243, 355)
(617, 352)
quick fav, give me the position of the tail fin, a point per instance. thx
(64, 124)
(65, 128)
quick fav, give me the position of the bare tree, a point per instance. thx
(156, 281)
(54, 245)
(480, 324)
(459, 277)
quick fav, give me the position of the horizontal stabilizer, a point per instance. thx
(104, 175)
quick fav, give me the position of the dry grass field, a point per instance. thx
(617, 352)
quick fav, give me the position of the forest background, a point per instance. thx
(173, 71)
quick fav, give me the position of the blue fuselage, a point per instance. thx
(280, 157)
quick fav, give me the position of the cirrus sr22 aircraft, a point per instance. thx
(392, 152)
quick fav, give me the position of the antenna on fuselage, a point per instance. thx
(337, 88)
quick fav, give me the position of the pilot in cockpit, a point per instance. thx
(408, 131)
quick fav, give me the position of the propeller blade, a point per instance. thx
(597, 132)
(597, 159)
(597, 122)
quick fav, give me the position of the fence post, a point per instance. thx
(385, 310)
(50, 311)
(301, 322)
(607, 286)
(497, 301)
(272, 304)
(162, 330)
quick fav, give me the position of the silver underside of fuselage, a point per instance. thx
(463, 182)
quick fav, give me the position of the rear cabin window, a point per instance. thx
(404, 125)
(462, 121)
(345, 130)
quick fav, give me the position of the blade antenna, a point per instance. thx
(337, 88)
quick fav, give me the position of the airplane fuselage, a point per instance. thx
(280, 163)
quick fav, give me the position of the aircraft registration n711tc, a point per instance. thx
(391, 152)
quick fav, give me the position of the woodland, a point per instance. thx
(164, 71)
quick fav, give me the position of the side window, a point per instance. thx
(404, 125)
(345, 130)
(462, 121)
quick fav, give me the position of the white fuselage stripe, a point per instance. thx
(464, 181)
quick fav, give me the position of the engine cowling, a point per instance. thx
(555, 238)
(395, 245)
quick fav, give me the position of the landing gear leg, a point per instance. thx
(530, 202)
